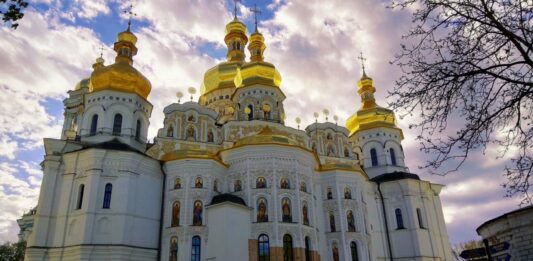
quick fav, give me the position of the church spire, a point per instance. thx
(257, 41)
(366, 87)
(236, 38)
(100, 60)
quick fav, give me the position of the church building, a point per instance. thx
(225, 178)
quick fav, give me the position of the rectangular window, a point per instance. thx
(420, 221)
(80, 196)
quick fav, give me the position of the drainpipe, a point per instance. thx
(162, 211)
(386, 222)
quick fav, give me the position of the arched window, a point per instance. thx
(307, 249)
(329, 193)
(335, 252)
(251, 114)
(262, 211)
(210, 136)
(263, 248)
(303, 187)
(284, 183)
(305, 214)
(392, 156)
(107, 195)
(237, 185)
(331, 151)
(332, 222)
(94, 125)
(347, 193)
(351, 221)
(197, 213)
(170, 131)
(117, 124)
(80, 196)
(353, 250)
(196, 248)
(177, 183)
(173, 249)
(287, 248)
(328, 136)
(346, 153)
(286, 210)
(175, 214)
(420, 220)
(260, 183)
(138, 130)
(198, 183)
(374, 157)
(399, 219)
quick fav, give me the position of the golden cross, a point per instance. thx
(362, 59)
(101, 50)
(130, 12)
(235, 9)
(256, 11)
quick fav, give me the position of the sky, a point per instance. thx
(313, 43)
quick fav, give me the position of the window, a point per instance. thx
(307, 249)
(197, 213)
(399, 219)
(138, 130)
(286, 210)
(284, 184)
(94, 125)
(347, 193)
(196, 248)
(351, 222)
(237, 185)
(107, 195)
(215, 185)
(170, 131)
(175, 214)
(117, 124)
(329, 193)
(303, 187)
(251, 114)
(374, 157)
(346, 153)
(198, 183)
(420, 220)
(305, 214)
(331, 151)
(287, 248)
(177, 183)
(262, 211)
(392, 157)
(263, 248)
(332, 222)
(335, 252)
(173, 249)
(353, 250)
(210, 136)
(260, 182)
(80, 196)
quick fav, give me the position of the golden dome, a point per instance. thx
(82, 84)
(258, 73)
(219, 77)
(370, 115)
(121, 76)
(236, 26)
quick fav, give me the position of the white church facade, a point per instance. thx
(225, 178)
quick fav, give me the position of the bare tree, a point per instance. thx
(468, 73)
(11, 11)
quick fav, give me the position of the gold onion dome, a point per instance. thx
(257, 71)
(370, 115)
(121, 76)
(221, 75)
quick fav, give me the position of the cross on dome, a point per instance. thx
(235, 8)
(130, 12)
(256, 11)
(362, 59)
